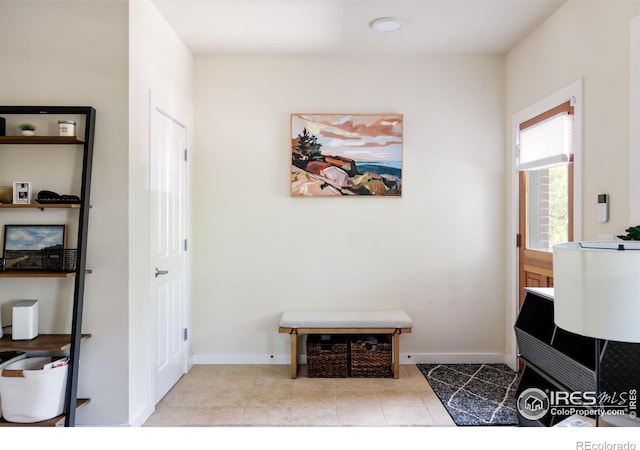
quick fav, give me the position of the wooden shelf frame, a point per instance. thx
(38, 274)
(42, 342)
(86, 143)
(32, 140)
(54, 422)
(40, 206)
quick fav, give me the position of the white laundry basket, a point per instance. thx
(30, 392)
(7, 358)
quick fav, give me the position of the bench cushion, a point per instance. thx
(345, 319)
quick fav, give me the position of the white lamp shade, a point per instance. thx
(597, 289)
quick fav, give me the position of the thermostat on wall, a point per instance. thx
(603, 207)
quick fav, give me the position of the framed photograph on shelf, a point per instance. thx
(24, 245)
(21, 192)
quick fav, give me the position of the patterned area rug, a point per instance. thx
(475, 394)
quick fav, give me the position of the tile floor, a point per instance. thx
(265, 395)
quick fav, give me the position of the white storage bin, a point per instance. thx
(7, 358)
(30, 393)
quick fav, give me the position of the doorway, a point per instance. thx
(168, 247)
(545, 193)
(534, 267)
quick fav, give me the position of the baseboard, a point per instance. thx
(142, 416)
(213, 358)
(98, 425)
(453, 358)
(511, 361)
(137, 421)
(413, 358)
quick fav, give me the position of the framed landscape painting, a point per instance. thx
(346, 155)
(24, 244)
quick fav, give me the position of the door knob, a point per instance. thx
(161, 272)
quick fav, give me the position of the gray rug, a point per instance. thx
(475, 394)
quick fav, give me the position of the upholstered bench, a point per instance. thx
(393, 323)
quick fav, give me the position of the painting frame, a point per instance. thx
(23, 245)
(346, 154)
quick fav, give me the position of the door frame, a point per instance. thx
(158, 102)
(573, 92)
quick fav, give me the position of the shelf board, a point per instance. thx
(41, 205)
(54, 422)
(41, 140)
(43, 342)
(37, 274)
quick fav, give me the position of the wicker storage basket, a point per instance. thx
(371, 361)
(59, 260)
(327, 356)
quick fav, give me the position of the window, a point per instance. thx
(545, 155)
(547, 207)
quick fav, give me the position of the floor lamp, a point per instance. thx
(597, 293)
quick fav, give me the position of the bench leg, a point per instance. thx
(294, 353)
(395, 338)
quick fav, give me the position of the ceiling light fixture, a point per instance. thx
(386, 24)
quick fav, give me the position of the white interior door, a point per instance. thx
(168, 271)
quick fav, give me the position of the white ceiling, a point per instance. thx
(341, 27)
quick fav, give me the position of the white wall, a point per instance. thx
(160, 64)
(634, 151)
(589, 41)
(437, 252)
(73, 53)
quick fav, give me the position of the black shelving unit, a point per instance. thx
(72, 341)
(558, 360)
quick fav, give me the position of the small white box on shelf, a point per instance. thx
(24, 325)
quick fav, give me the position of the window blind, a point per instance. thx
(546, 140)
